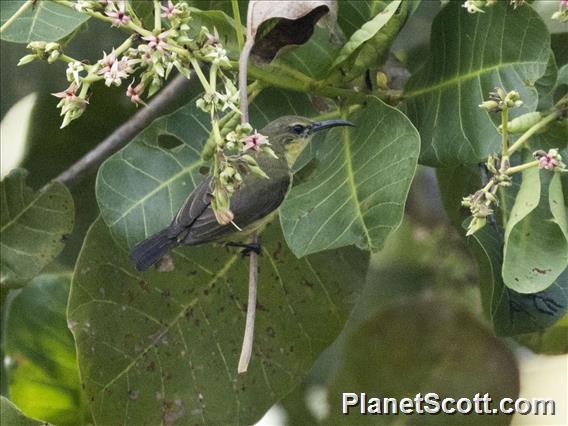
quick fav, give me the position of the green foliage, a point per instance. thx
(11, 415)
(510, 312)
(43, 374)
(536, 234)
(470, 56)
(34, 226)
(348, 200)
(162, 347)
(46, 21)
(165, 345)
(369, 46)
(414, 328)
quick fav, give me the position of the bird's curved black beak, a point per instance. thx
(327, 124)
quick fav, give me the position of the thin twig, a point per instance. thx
(124, 134)
(248, 338)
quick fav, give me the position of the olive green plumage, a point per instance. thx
(195, 223)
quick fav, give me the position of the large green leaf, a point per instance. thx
(513, 313)
(536, 234)
(42, 373)
(33, 226)
(12, 416)
(357, 193)
(163, 346)
(471, 55)
(45, 21)
(141, 188)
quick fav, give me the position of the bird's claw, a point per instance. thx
(247, 248)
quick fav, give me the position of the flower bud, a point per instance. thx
(490, 106)
(27, 59)
(475, 225)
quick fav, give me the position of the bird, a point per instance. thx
(253, 205)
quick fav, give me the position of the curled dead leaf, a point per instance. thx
(274, 25)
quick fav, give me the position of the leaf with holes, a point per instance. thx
(140, 188)
(163, 347)
(33, 226)
(43, 377)
(44, 21)
(536, 234)
(471, 55)
(358, 190)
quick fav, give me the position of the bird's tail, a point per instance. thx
(151, 250)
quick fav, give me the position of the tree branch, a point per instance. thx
(124, 134)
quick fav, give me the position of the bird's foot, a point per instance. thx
(247, 248)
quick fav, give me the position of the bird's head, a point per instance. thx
(290, 134)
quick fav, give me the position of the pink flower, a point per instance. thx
(254, 141)
(564, 3)
(118, 14)
(170, 10)
(547, 162)
(107, 62)
(135, 92)
(157, 42)
(69, 99)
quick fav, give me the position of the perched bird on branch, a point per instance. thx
(252, 205)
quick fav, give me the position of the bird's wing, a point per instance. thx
(258, 198)
(194, 206)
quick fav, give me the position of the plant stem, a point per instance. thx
(546, 120)
(16, 15)
(157, 16)
(248, 337)
(505, 132)
(238, 24)
(337, 113)
(522, 167)
(97, 15)
(200, 74)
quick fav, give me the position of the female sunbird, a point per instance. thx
(195, 223)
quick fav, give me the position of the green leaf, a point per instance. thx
(546, 85)
(12, 416)
(536, 234)
(513, 313)
(313, 58)
(161, 347)
(552, 341)
(140, 188)
(45, 21)
(358, 190)
(42, 373)
(366, 32)
(33, 226)
(459, 358)
(470, 56)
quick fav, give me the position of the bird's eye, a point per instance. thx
(298, 129)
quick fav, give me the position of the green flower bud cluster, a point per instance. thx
(480, 203)
(499, 100)
(42, 50)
